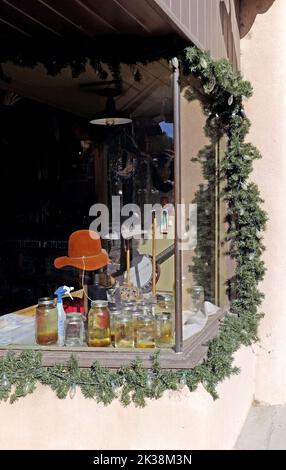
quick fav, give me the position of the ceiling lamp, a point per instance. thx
(110, 116)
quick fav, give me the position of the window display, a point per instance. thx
(116, 217)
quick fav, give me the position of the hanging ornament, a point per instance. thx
(230, 100)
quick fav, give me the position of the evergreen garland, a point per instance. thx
(225, 90)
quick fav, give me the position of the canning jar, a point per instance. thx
(164, 330)
(145, 334)
(46, 321)
(74, 329)
(124, 330)
(114, 312)
(165, 302)
(197, 298)
(99, 324)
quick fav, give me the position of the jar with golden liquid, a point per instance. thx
(99, 324)
(124, 330)
(137, 313)
(164, 330)
(145, 335)
(46, 321)
(114, 313)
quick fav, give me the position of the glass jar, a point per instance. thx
(114, 313)
(99, 324)
(46, 321)
(137, 313)
(148, 307)
(145, 334)
(74, 329)
(164, 330)
(124, 331)
(197, 298)
(165, 302)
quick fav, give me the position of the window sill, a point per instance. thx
(194, 351)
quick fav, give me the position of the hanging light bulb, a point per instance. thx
(72, 391)
(5, 381)
(149, 382)
(110, 116)
(183, 380)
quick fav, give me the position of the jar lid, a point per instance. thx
(165, 296)
(147, 318)
(99, 303)
(163, 316)
(75, 316)
(129, 304)
(46, 301)
(124, 318)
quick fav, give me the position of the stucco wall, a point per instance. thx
(264, 64)
(176, 421)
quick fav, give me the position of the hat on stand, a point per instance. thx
(84, 252)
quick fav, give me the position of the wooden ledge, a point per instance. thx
(194, 351)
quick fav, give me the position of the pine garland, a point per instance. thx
(225, 90)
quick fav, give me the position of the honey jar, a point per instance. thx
(99, 324)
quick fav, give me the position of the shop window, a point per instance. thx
(57, 169)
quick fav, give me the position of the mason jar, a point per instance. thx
(165, 302)
(145, 335)
(74, 329)
(99, 324)
(197, 298)
(114, 313)
(46, 321)
(164, 330)
(124, 330)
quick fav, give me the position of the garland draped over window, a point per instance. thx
(223, 91)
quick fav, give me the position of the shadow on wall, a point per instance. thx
(248, 11)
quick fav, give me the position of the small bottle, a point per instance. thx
(99, 324)
(60, 292)
(124, 331)
(46, 321)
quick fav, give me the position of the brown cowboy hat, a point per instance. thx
(84, 252)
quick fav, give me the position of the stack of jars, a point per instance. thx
(131, 326)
